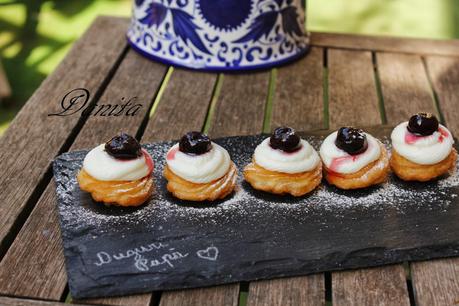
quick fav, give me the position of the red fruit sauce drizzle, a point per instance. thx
(171, 154)
(411, 138)
(338, 161)
(148, 160)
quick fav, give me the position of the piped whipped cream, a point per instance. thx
(199, 169)
(340, 161)
(302, 160)
(423, 150)
(104, 167)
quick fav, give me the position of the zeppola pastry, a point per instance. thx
(354, 159)
(284, 164)
(422, 149)
(199, 170)
(118, 172)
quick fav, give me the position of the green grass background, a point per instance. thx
(35, 35)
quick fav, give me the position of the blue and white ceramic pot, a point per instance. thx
(219, 34)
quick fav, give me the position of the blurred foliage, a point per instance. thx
(407, 18)
(34, 37)
(36, 34)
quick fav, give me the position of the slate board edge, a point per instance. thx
(416, 254)
(411, 255)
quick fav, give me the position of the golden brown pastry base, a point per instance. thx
(372, 174)
(189, 191)
(409, 171)
(296, 184)
(122, 193)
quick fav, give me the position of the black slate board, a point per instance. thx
(170, 244)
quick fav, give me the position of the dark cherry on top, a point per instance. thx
(285, 139)
(423, 124)
(123, 146)
(195, 143)
(351, 140)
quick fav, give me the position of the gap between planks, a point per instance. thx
(90, 133)
(297, 99)
(154, 131)
(228, 114)
(269, 114)
(436, 282)
(353, 87)
(25, 199)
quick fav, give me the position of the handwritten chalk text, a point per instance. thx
(144, 264)
(105, 258)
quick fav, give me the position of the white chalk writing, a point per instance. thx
(168, 257)
(105, 258)
(144, 264)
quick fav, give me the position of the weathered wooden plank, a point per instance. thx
(298, 103)
(376, 286)
(386, 43)
(353, 101)
(406, 90)
(352, 91)
(144, 86)
(436, 282)
(185, 100)
(218, 295)
(5, 89)
(134, 300)
(9, 301)
(444, 74)
(241, 105)
(298, 98)
(233, 116)
(306, 290)
(405, 86)
(41, 273)
(24, 157)
(183, 106)
(34, 265)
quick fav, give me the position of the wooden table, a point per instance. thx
(346, 79)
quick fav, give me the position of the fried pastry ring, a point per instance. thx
(217, 189)
(296, 184)
(374, 173)
(409, 171)
(121, 193)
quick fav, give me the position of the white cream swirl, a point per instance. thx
(423, 150)
(302, 160)
(200, 169)
(104, 167)
(340, 161)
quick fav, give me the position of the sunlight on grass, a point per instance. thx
(37, 54)
(413, 18)
(4, 126)
(12, 50)
(76, 17)
(75, 20)
(14, 14)
(49, 63)
(6, 37)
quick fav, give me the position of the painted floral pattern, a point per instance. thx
(240, 33)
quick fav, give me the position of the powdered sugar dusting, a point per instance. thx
(77, 208)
